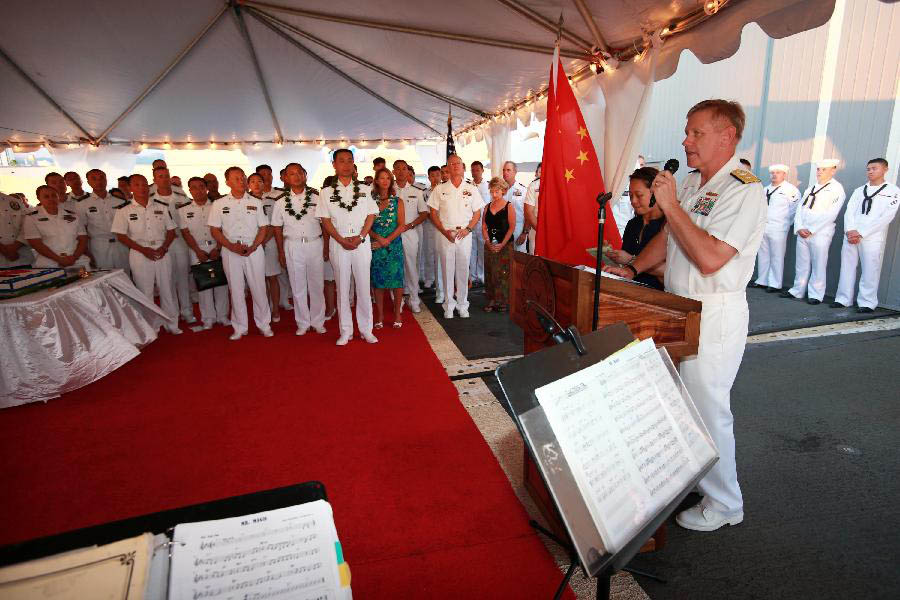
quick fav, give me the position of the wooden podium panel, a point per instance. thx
(568, 294)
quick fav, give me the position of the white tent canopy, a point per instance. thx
(128, 72)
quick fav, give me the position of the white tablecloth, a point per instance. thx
(58, 340)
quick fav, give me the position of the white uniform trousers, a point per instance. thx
(532, 240)
(709, 377)
(455, 266)
(109, 253)
(181, 272)
(284, 288)
(476, 261)
(214, 301)
(770, 259)
(811, 264)
(247, 271)
(306, 271)
(430, 264)
(355, 265)
(145, 273)
(869, 252)
(410, 240)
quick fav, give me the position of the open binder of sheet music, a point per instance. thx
(291, 552)
(631, 437)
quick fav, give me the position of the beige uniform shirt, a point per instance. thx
(347, 223)
(239, 219)
(729, 210)
(144, 226)
(455, 205)
(303, 223)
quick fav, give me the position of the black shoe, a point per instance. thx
(865, 309)
(771, 290)
(813, 301)
(785, 295)
(756, 285)
(837, 305)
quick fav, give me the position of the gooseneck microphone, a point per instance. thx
(671, 166)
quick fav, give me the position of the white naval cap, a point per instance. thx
(779, 167)
(827, 163)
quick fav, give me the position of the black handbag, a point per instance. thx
(208, 275)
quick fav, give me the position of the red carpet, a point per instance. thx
(421, 505)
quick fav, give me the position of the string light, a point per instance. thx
(711, 7)
(212, 145)
(143, 146)
(167, 146)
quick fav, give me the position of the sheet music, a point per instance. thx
(284, 553)
(630, 440)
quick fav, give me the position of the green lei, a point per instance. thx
(307, 204)
(336, 197)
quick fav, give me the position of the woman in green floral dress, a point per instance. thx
(387, 247)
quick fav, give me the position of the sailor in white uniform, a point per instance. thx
(193, 219)
(153, 186)
(870, 211)
(55, 233)
(275, 194)
(77, 193)
(814, 226)
(298, 235)
(783, 198)
(14, 251)
(531, 208)
(455, 209)
(56, 181)
(476, 262)
(146, 227)
(348, 210)
(97, 211)
(516, 195)
(714, 226)
(429, 259)
(175, 198)
(415, 212)
(238, 223)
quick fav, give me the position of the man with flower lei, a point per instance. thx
(347, 211)
(301, 249)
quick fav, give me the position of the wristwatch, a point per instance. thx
(633, 270)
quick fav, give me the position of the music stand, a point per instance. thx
(519, 379)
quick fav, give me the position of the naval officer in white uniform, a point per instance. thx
(55, 233)
(347, 211)
(814, 226)
(531, 208)
(239, 225)
(175, 198)
(415, 212)
(782, 197)
(147, 229)
(476, 261)
(516, 195)
(870, 211)
(298, 235)
(97, 211)
(714, 226)
(14, 251)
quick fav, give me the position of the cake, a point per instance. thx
(13, 280)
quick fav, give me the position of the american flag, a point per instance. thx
(451, 147)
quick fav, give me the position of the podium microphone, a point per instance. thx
(602, 199)
(671, 166)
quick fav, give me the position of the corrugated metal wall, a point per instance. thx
(779, 82)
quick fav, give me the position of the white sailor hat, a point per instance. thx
(779, 167)
(827, 163)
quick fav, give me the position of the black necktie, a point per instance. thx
(867, 199)
(769, 194)
(812, 195)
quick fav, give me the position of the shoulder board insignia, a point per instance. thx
(123, 205)
(744, 176)
(178, 192)
(68, 211)
(158, 201)
(182, 205)
(80, 198)
(34, 212)
(280, 196)
(694, 171)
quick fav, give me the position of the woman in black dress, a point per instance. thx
(647, 222)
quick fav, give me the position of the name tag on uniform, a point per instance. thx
(703, 206)
(43, 218)
(190, 215)
(467, 193)
(251, 207)
(132, 217)
(92, 209)
(68, 218)
(517, 193)
(157, 212)
(225, 210)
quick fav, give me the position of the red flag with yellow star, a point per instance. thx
(570, 181)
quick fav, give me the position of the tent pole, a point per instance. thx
(535, 17)
(369, 65)
(458, 37)
(163, 74)
(45, 95)
(327, 64)
(591, 24)
(242, 26)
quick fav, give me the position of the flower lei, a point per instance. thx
(336, 197)
(307, 204)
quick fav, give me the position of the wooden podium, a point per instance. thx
(568, 294)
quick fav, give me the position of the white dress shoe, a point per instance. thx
(416, 309)
(448, 314)
(235, 336)
(343, 340)
(225, 322)
(207, 326)
(174, 330)
(703, 517)
(320, 330)
(463, 314)
(439, 300)
(267, 332)
(191, 319)
(370, 338)
(301, 331)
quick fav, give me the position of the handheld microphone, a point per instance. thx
(671, 166)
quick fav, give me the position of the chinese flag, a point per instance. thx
(570, 181)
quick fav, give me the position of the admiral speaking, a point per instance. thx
(714, 226)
